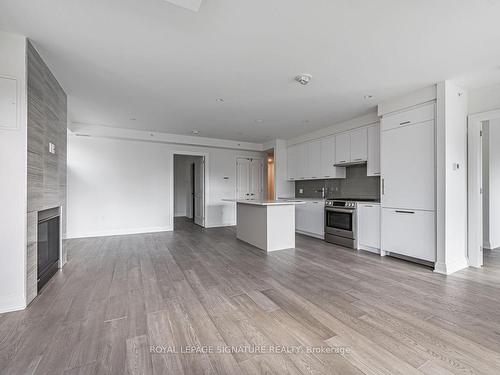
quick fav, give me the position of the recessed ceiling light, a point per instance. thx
(132, 119)
(306, 121)
(259, 121)
(220, 100)
(303, 79)
(196, 131)
(368, 96)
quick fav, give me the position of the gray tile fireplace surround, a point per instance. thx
(356, 185)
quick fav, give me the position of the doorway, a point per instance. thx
(483, 185)
(189, 188)
(270, 194)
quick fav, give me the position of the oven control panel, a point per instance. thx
(345, 204)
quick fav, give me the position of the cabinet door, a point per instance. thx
(302, 161)
(317, 217)
(373, 165)
(369, 225)
(409, 117)
(359, 145)
(292, 162)
(342, 148)
(410, 233)
(301, 217)
(256, 178)
(313, 160)
(328, 170)
(408, 167)
(242, 178)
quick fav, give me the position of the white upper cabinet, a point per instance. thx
(314, 160)
(302, 161)
(324, 158)
(359, 145)
(343, 148)
(292, 162)
(328, 170)
(373, 163)
(409, 117)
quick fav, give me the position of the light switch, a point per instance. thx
(52, 148)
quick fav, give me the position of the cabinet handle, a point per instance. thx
(342, 161)
(358, 159)
(367, 205)
(314, 177)
(404, 212)
(326, 176)
(405, 123)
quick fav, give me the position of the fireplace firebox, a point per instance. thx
(48, 245)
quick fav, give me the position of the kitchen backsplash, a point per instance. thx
(356, 185)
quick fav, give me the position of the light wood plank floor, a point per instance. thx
(197, 287)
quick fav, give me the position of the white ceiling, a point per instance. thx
(165, 65)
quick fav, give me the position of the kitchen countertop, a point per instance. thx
(282, 202)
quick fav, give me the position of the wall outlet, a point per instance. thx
(301, 191)
(52, 148)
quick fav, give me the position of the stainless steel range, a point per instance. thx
(340, 221)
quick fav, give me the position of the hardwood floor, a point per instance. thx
(195, 287)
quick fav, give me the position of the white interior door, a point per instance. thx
(199, 191)
(243, 178)
(256, 179)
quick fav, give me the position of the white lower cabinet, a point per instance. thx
(409, 232)
(310, 218)
(368, 216)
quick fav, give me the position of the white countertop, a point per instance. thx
(281, 202)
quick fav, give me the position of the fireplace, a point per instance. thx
(48, 245)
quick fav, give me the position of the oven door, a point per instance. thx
(340, 222)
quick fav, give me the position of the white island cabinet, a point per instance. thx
(268, 225)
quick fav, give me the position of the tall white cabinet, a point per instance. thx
(408, 180)
(249, 178)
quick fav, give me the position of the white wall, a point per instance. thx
(343, 126)
(484, 99)
(118, 186)
(13, 177)
(491, 177)
(451, 190)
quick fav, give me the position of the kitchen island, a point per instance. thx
(268, 225)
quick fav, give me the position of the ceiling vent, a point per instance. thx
(193, 5)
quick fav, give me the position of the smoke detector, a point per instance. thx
(303, 79)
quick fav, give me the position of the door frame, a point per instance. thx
(475, 185)
(206, 185)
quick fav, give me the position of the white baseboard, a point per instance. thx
(12, 302)
(120, 232)
(369, 248)
(219, 225)
(449, 268)
(315, 235)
